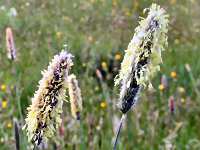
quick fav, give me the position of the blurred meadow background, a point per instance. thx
(97, 32)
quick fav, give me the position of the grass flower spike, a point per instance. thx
(43, 117)
(142, 58)
(10, 45)
(75, 96)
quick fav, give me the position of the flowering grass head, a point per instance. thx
(75, 96)
(10, 45)
(143, 56)
(43, 117)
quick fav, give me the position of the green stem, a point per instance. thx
(18, 93)
(194, 83)
(81, 135)
(118, 131)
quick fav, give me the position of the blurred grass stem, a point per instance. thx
(188, 69)
(81, 134)
(118, 131)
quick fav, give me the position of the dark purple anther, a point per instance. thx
(54, 101)
(56, 75)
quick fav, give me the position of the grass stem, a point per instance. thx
(118, 131)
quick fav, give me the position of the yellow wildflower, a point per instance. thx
(4, 104)
(173, 74)
(104, 65)
(182, 100)
(3, 87)
(103, 104)
(59, 35)
(161, 87)
(118, 56)
(9, 125)
(181, 89)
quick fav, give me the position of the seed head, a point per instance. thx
(143, 56)
(75, 96)
(43, 118)
(10, 45)
(171, 105)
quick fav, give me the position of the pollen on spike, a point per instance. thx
(143, 57)
(43, 118)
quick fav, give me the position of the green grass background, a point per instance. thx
(95, 31)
